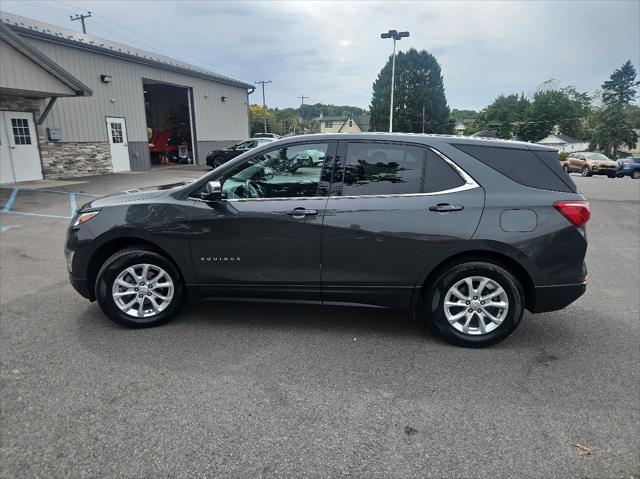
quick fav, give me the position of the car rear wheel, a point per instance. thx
(635, 174)
(475, 303)
(138, 288)
(585, 171)
(565, 168)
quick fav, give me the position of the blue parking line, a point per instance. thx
(73, 203)
(12, 198)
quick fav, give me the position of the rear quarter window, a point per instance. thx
(536, 169)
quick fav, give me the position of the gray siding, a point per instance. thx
(82, 119)
(17, 72)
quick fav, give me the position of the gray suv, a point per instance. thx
(467, 233)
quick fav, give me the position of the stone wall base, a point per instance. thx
(68, 159)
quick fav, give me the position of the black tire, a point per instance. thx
(117, 263)
(435, 298)
(217, 161)
(585, 171)
(565, 168)
(611, 175)
(620, 175)
(635, 174)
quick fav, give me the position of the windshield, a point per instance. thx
(597, 157)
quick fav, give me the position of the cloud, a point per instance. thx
(332, 51)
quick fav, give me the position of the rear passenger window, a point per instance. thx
(520, 165)
(390, 169)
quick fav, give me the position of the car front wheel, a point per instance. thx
(585, 171)
(138, 288)
(475, 303)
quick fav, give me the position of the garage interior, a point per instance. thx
(169, 123)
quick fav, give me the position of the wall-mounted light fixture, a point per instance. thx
(223, 99)
(206, 96)
(105, 78)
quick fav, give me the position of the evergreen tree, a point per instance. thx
(418, 85)
(613, 126)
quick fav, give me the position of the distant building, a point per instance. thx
(486, 134)
(564, 143)
(343, 124)
(461, 126)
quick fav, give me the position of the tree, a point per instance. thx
(503, 115)
(563, 108)
(458, 115)
(614, 128)
(419, 87)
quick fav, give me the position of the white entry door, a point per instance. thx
(19, 153)
(117, 133)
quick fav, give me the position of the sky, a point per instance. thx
(332, 52)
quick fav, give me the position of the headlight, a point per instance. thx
(84, 217)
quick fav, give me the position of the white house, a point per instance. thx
(562, 142)
(343, 124)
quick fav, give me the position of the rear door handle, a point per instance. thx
(445, 207)
(300, 212)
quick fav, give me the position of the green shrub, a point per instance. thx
(562, 156)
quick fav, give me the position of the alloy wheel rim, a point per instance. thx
(476, 305)
(635, 175)
(585, 172)
(143, 290)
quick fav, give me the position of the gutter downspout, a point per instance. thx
(251, 90)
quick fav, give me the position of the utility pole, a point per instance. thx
(81, 18)
(302, 97)
(396, 35)
(264, 103)
(422, 118)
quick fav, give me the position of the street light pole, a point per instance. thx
(396, 35)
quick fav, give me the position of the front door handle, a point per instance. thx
(445, 207)
(301, 212)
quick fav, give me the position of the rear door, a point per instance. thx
(394, 209)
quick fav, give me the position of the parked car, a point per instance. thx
(443, 227)
(629, 166)
(589, 163)
(266, 135)
(218, 157)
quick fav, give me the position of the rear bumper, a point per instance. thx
(553, 298)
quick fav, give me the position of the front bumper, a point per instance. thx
(553, 298)
(82, 287)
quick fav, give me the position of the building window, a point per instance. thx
(116, 132)
(328, 124)
(20, 127)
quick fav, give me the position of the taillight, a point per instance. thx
(577, 212)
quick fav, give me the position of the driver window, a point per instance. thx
(287, 172)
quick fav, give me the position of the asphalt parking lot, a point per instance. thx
(248, 390)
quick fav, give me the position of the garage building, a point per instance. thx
(73, 104)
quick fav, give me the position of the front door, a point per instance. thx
(263, 239)
(20, 156)
(394, 210)
(117, 133)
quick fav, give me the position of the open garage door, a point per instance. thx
(169, 123)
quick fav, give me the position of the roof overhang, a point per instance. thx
(44, 62)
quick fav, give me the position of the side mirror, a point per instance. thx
(212, 191)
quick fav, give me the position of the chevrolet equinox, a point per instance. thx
(467, 233)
